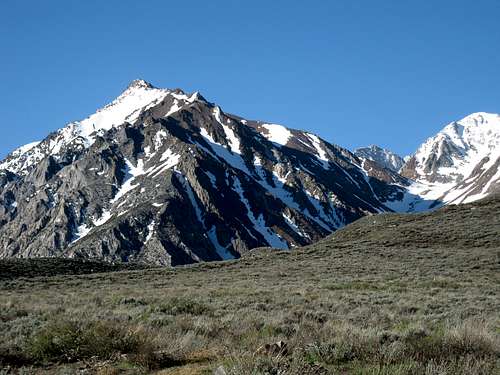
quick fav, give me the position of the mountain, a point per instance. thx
(461, 163)
(384, 157)
(165, 177)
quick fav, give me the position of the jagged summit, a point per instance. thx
(140, 83)
(461, 162)
(126, 108)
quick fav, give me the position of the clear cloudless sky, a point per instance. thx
(387, 72)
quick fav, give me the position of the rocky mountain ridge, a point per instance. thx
(165, 177)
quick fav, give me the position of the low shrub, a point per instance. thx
(178, 306)
(69, 341)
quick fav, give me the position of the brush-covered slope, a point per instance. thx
(375, 300)
(467, 226)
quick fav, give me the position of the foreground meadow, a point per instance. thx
(356, 303)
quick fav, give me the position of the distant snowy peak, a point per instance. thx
(385, 158)
(453, 153)
(462, 159)
(137, 97)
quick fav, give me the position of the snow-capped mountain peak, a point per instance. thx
(138, 96)
(140, 83)
(461, 160)
(479, 118)
(382, 156)
(453, 153)
(135, 99)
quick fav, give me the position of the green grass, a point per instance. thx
(70, 341)
(350, 305)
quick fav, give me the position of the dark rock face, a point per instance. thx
(409, 169)
(179, 181)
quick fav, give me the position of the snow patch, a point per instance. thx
(295, 227)
(169, 159)
(80, 232)
(106, 215)
(233, 159)
(321, 153)
(277, 133)
(259, 223)
(131, 172)
(151, 228)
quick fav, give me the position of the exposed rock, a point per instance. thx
(220, 371)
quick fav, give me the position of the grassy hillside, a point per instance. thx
(457, 226)
(389, 294)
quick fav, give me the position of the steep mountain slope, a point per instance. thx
(164, 177)
(461, 163)
(385, 158)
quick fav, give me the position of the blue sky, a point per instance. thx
(389, 72)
